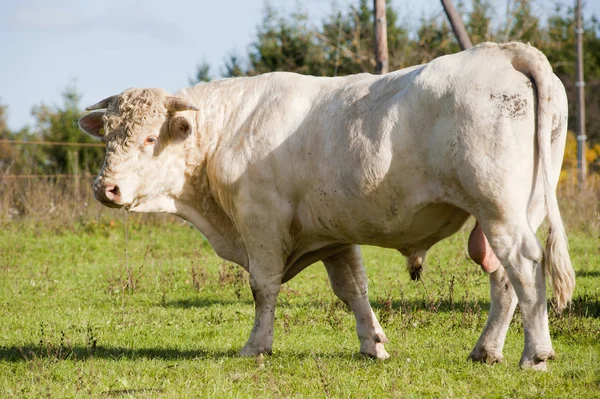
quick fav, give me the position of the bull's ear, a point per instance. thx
(179, 128)
(93, 124)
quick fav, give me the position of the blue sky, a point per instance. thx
(107, 46)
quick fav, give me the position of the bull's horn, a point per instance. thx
(176, 104)
(101, 104)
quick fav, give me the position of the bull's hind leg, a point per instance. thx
(349, 283)
(503, 302)
(519, 251)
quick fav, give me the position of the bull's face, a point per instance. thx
(145, 131)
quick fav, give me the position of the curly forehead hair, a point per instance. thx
(132, 108)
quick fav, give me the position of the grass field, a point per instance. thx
(90, 310)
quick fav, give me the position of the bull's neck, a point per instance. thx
(224, 106)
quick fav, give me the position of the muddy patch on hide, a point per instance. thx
(511, 105)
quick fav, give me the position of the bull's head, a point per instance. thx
(145, 131)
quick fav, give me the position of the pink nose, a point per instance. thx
(112, 192)
(108, 194)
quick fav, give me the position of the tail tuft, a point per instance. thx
(558, 267)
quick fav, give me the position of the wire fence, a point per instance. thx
(47, 176)
(53, 143)
(28, 176)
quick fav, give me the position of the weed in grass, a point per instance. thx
(335, 314)
(286, 323)
(91, 342)
(386, 310)
(451, 294)
(198, 271)
(165, 282)
(231, 274)
(234, 276)
(322, 369)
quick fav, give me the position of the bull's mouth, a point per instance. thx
(110, 204)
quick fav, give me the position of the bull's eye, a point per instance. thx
(150, 140)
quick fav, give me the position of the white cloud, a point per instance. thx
(45, 18)
(132, 18)
(126, 17)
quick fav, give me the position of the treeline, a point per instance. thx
(52, 124)
(342, 44)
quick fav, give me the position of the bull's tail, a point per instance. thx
(557, 263)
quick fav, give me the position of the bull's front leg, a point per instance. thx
(265, 282)
(349, 283)
(265, 237)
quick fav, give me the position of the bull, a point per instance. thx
(280, 171)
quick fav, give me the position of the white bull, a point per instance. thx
(280, 171)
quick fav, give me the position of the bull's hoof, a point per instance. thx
(484, 356)
(539, 362)
(379, 353)
(250, 351)
(374, 348)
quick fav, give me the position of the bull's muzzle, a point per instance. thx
(108, 194)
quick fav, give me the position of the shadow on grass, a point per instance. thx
(585, 306)
(32, 352)
(205, 303)
(581, 306)
(431, 305)
(412, 305)
(79, 353)
(588, 273)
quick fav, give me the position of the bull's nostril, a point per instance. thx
(108, 194)
(112, 192)
(115, 191)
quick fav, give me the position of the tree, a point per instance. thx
(525, 26)
(283, 44)
(7, 153)
(59, 124)
(348, 39)
(18, 158)
(233, 67)
(479, 22)
(202, 74)
(435, 38)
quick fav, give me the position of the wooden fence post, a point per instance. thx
(381, 47)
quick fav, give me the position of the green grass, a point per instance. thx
(82, 316)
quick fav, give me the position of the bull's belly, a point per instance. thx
(419, 230)
(413, 229)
